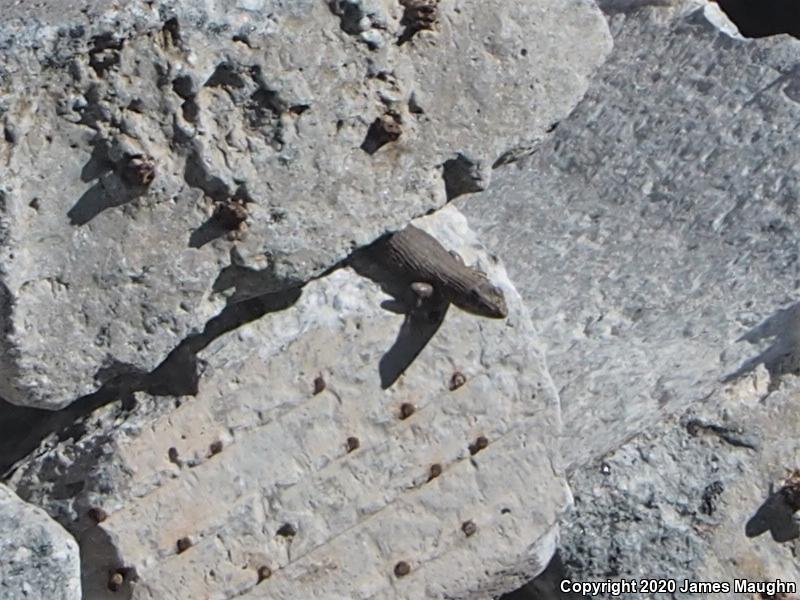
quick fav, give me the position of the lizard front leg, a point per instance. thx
(422, 292)
(428, 303)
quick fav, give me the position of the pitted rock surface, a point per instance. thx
(259, 469)
(306, 121)
(654, 235)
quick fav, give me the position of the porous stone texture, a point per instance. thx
(655, 250)
(293, 474)
(657, 228)
(699, 498)
(40, 559)
(164, 158)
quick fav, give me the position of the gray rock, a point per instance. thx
(40, 559)
(163, 159)
(656, 229)
(292, 458)
(697, 498)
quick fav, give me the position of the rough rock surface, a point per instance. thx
(679, 116)
(40, 559)
(641, 512)
(293, 462)
(163, 158)
(655, 231)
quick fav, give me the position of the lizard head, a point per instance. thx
(485, 300)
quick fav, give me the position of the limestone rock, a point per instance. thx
(40, 559)
(642, 511)
(164, 158)
(657, 228)
(294, 474)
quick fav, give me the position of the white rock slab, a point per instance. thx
(259, 472)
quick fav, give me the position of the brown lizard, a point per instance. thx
(432, 273)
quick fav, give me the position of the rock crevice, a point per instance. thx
(163, 160)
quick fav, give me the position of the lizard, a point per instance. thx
(433, 273)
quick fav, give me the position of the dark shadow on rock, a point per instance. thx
(198, 175)
(23, 429)
(775, 515)
(250, 283)
(383, 130)
(98, 164)
(463, 175)
(420, 324)
(350, 14)
(614, 7)
(178, 375)
(735, 436)
(763, 18)
(783, 355)
(108, 192)
(228, 217)
(100, 561)
(546, 586)
(209, 231)
(417, 16)
(114, 370)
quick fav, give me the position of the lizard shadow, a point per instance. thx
(421, 322)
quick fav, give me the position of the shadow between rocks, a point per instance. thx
(546, 586)
(763, 18)
(178, 374)
(419, 326)
(22, 429)
(248, 284)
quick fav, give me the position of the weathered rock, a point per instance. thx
(40, 559)
(658, 226)
(293, 462)
(164, 158)
(642, 513)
